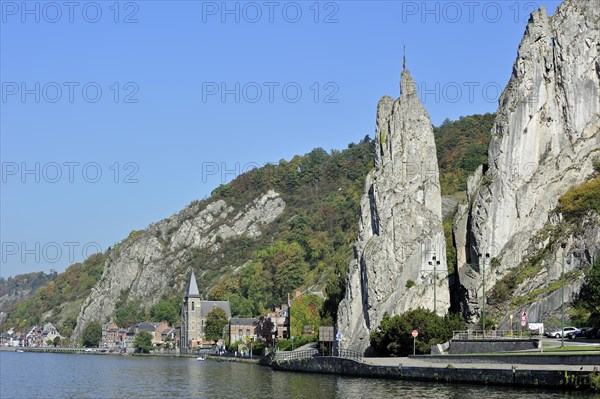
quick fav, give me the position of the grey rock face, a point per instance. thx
(546, 134)
(145, 264)
(400, 227)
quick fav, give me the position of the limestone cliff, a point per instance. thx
(546, 134)
(400, 227)
(149, 264)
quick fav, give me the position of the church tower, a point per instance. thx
(191, 316)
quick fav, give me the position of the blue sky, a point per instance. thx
(115, 115)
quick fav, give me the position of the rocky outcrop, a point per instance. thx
(546, 134)
(146, 264)
(400, 227)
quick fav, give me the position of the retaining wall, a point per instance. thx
(487, 346)
(531, 378)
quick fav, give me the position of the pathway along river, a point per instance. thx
(45, 375)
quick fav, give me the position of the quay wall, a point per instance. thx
(531, 378)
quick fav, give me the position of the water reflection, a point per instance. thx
(27, 375)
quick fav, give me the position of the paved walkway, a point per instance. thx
(441, 363)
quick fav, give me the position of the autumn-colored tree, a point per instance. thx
(305, 311)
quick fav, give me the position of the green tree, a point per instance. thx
(143, 341)
(56, 341)
(287, 264)
(166, 310)
(393, 336)
(240, 306)
(92, 333)
(129, 314)
(589, 298)
(216, 320)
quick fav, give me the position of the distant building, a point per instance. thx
(241, 328)
(110, 336)
(281, 321)
(38, 335)
(155, 329)
(193, 316)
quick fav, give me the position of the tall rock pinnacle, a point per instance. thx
(400, 228)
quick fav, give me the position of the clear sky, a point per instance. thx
(115, 115)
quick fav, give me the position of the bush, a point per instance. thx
(393, 336)
(580, 200)
(595, 381)
(286, 344)
(143, 341)
(92, 334)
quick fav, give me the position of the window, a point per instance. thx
(247, 332)
(192, 305)
(240, 333)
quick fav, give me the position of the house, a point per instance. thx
(193, 316)
(34, 337)
(170, 337)
(241, 328)
(9, 338)
(110, 336)
(281, 320)
(129, 339)
(155, 329)
(49, 333)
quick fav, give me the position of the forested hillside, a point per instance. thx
(308, 247)
(461, 147)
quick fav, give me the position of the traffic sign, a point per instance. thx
(415, 333)
(523, 319)
(339, 336)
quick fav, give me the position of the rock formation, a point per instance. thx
(400, 227)
(546, 134)
(151, 262)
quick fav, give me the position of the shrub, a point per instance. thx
(393, 336)
(580, 200)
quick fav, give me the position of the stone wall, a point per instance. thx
(532, 378)
(488, 346)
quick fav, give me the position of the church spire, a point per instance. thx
(193, 287)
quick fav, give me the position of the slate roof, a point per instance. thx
(193, 291)
(207, 306)
(243, 321)
(147, 326)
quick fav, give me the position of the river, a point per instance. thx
(45, 375)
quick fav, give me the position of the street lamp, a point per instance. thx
(563, 245)
(434, 263)
(482, 263)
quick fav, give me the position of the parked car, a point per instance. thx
(565, 332)
(580, 333)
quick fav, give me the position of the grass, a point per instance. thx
(574, 348)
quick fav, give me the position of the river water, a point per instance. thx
(45, 375)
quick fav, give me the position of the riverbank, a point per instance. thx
(568, 377)
(95, 351)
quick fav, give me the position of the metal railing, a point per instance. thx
(348, 354)
(311, 353)
(492, 335)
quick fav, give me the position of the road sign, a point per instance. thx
(523, 319)
(339, 336)
(415, 333)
